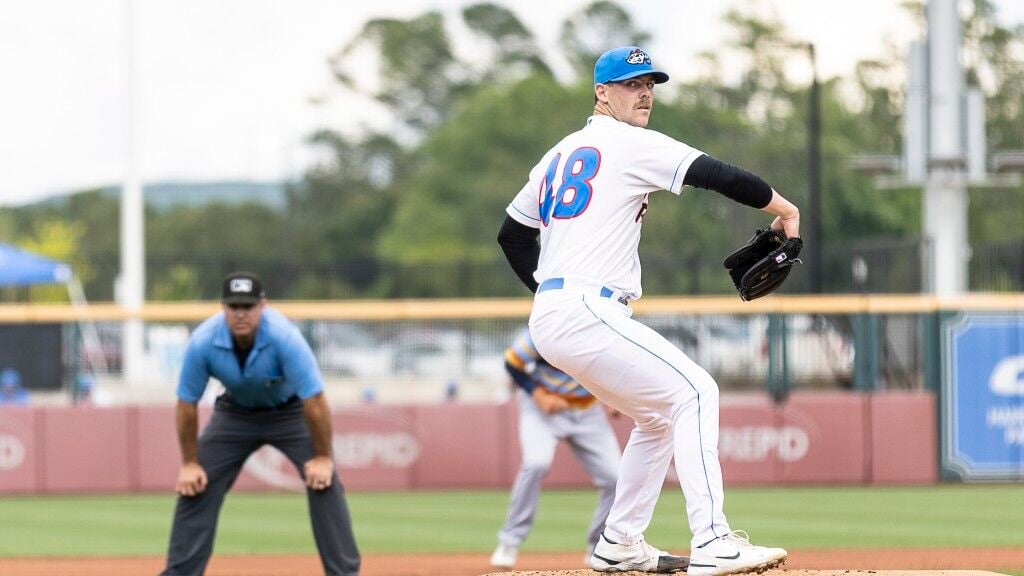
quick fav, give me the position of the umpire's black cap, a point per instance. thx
(242, 288)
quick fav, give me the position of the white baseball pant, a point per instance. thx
(673, 401)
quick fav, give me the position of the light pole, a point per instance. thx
(132, 282)
(814, 239)
(814, 174)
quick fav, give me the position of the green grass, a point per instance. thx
(466, 521)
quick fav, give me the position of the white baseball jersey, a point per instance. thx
(588, 196)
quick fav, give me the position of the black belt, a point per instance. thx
(230, 403)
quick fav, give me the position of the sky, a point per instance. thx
(225, 89)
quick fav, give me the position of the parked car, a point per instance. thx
(728, 347)
(447, 353)
(819, 353)
(734, 349)
(350, 349)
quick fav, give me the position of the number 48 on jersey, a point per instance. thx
(573, 196)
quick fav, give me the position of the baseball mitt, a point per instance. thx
(759, 267)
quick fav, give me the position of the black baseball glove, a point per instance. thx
(759, 267)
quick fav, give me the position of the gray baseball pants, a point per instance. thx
(592, 441)
(232, 434)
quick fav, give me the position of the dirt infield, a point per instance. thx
(800, 563)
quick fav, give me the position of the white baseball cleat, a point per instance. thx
(641, 557)
(504, 556)
(733, 554)
(588, 557)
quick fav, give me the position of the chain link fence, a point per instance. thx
(774, 353)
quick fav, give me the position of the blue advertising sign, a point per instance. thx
(983, 396)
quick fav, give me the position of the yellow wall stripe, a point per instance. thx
(385, 310)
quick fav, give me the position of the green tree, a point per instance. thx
(514, 50)
(420, 78)
(177, 282)
(600, 26)
(336, 214)
(190, 249)
(56, 239)
(993, 60)
(98, 211)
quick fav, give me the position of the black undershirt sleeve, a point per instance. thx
(521, 248)
(729, 181)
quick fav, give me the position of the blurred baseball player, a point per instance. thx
(553, 407)
(274, 395)
(585, 200)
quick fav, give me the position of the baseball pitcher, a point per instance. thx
(585, 201)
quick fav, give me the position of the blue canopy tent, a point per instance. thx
(21, 268)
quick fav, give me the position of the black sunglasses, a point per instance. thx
(241, 306)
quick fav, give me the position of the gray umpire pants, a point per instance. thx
(232, 434)
(592, 441)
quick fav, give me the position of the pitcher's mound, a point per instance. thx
(776, 572)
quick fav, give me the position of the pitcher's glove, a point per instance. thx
(759, 267)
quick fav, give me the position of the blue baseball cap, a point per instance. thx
(623, 63)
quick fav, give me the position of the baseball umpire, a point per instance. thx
(274, 395)
(585, 200)
(553, 407)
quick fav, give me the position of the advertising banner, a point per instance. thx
(983, 397)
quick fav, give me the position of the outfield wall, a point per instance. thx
(814, 438)
(967, 352)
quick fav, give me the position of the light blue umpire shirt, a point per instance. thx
(280, 365)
